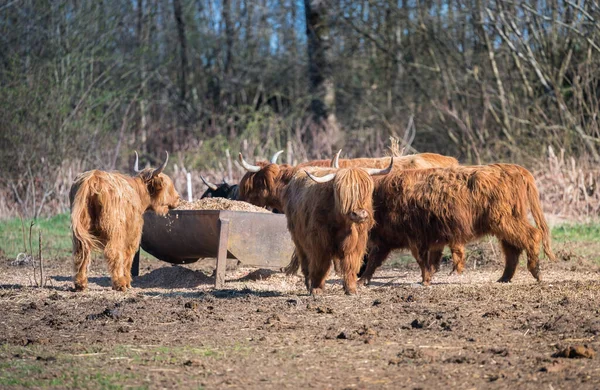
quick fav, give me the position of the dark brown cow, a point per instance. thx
(106, 214)
(426, 209)
(329, 218)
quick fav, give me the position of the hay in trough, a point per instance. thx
(220, 204)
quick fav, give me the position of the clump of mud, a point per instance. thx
(220, 204)
(174, 277)
(576, 352)
(259, 274)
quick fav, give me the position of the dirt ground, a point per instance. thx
(173, 330)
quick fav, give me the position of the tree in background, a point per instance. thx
(82, 84)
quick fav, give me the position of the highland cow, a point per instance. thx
(106, 214)
(223, 190)
(329, 218)
(427, 209)
(435, 256)
(263, 183)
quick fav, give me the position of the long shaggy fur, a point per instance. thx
(264, 188)
(424, 210)
(106, 214)
(319, 222)
(264, 193)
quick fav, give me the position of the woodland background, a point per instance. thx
(85, 83)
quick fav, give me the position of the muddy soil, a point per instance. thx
(173, 330)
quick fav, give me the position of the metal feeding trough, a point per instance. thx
(185, 236)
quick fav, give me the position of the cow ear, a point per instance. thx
(155, 184)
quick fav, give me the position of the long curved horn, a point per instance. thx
(385, 171)
(335, 162)
(159, 170)
(248, 167)
(208, 184)
(323, 179)
(275, 157)
(136, 169)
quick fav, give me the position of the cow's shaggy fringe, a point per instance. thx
(427, 209)
(106, 214)
(319, 221)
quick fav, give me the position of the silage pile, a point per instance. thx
(220, 204)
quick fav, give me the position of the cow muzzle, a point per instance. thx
(358, 216)
(175, 203)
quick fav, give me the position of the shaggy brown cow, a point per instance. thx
(435, 256)
(426, 209)
(106, 214)
(263, 183)
(329, 218)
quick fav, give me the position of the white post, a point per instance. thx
(189, 186)
(229, 170)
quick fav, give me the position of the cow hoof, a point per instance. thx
(503, 280)
(80, 287)
(121, 288)
(350, 291)
(362, 282)
(316, 291)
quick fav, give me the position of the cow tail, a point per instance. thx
(83, 240)
(293, 266)
(538, 216)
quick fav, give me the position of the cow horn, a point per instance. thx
(323, 179)
(275, 157)
(335, 162)
(208, 184)
(159, 170)
(136, 169)
(248, 167)
(385, 171)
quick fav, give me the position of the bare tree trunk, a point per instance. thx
(228, 36)
(227, 91)
(319, 67)
(143, 35)
(506, 128)
(183, 51)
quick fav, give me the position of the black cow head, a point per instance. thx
(223, 190)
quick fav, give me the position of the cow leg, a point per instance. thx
(115, 261)
(522, 236)
(318, 274)
(532, 248)
(458, 258)
(376, 257)
(511, 255)
(300, 258)
(349, 267)
(422, 256)
(81, 258)
(131, 249)
(434, 259)
(363, 266)
(129, 255)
